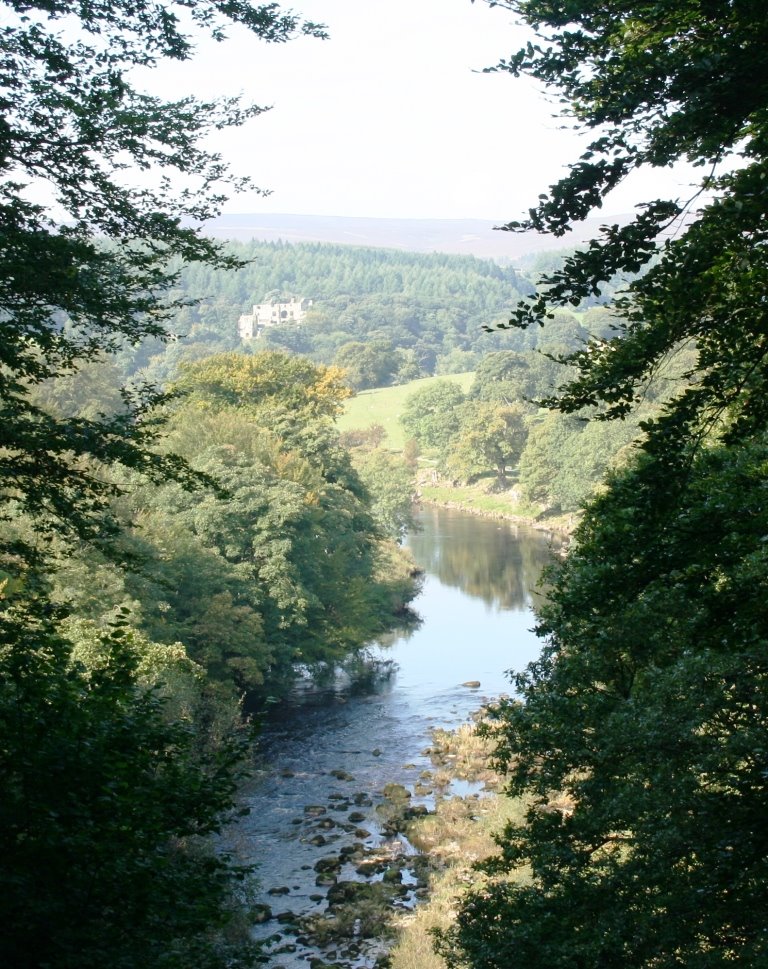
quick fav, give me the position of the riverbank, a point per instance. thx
(334, 771)
(379, 903)
(451, 842)
(384, 903)
(486, 499)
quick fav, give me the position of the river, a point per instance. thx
(323, 762)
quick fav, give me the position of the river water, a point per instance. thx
(323, 761)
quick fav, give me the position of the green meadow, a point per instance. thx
(385, 405)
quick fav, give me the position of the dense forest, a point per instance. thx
(385, 316)
(638, 737)
(238, 568)
(388, 316)
(498, 433)
(170, 558)
(183, 531)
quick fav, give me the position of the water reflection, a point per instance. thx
(480, 577)
(491, 560)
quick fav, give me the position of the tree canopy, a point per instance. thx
(106, 801)
(385, 315)
(117, 761)
(76, 130)
(638, 736)
(657, 82)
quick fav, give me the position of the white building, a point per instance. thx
(250, 325)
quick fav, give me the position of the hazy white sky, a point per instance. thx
(390, 117)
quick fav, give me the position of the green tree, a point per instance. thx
(491, 437)
(268, 378)
(294, 552)
(106, 802)
(565, 458)
(97, 278)
(368, 365)
(91, 392)
(519, 378)
(639, 740)
(457, 361)
(640, 736)
(503, 376)
(106, 793)
(432, 413)
(703, 278)
(192, 593)
(390, 483)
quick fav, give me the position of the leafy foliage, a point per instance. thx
(431, 414)
(288, 567)
(389, 481)
(105, 801)
(393, 316)
(287, 562)
(370, 365)
(114, 773)
(565, 458)
(497, 427)
(72, 125)
(269, 378)
(639, 733)
(490, 436)
(644, 76)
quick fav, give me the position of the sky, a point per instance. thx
(391, 117)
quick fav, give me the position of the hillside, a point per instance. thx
(385, 405)
(474, 237)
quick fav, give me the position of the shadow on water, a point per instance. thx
(325, 756)
(491, 560)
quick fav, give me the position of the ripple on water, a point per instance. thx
(338, 752)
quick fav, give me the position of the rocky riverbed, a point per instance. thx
(377, 853)
(333, 772)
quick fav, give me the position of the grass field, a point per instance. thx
(385, 405)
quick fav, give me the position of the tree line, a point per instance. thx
(386, 316)
(163, 553)
(498, 430)
(637, 738)
(208, 591)
(280, 556)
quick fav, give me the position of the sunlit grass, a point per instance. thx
(460, 834)
(478, 497)
(385, 405)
